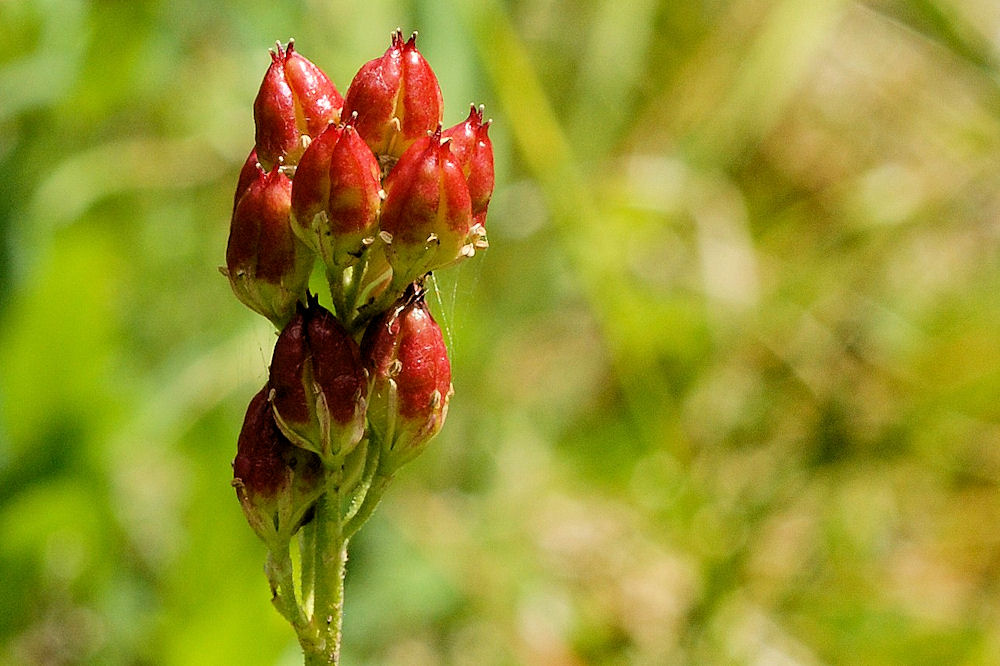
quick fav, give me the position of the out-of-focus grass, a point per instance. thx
(727, 379)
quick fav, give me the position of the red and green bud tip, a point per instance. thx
(397, 98)
(405, 354)
(276, 483)
(336, 196)
(471, 146)
(296, 102)
(319, 385)
(267, 266)
(427, 212)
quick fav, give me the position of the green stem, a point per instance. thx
(354, 287)
(372, 499)
(330, 567)
(307, 563)
(336, 282)
(371, 466)
(371, 281)
(279, 574)
(380, 304)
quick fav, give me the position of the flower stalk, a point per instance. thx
(330, 570)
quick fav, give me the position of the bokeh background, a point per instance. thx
(728, 379)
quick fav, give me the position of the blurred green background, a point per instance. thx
(728, 379)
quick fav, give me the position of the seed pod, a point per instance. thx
(405, 354)
(473, 150)
(267, 266)
(276, 483)
(427, 212)
(296, 101)
(319, 385)
(397, 98)
(336, 197)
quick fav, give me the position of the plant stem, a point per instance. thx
(371, 501)
(330, 567)
(279, 575)
(361, 490)
(371, 280)
(367, 312)
(336, 282)
(307, 563)
(357, 273)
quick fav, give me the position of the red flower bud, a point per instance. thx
(268, 267)
(336, 196)
(319, 384)
(427, 213)
(296, 100)
(276, 483)
(405, 354)
(397, 98)
(472, 148)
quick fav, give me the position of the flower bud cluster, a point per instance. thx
(382, 194)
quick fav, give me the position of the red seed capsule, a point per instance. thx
(406, 357)
(296, 100)
(427, 213)
(319, 384)
(276, 483)
(472, 148)
(336, 196)
(268, 267)
(397, 98)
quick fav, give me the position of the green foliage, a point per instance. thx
(728, 378)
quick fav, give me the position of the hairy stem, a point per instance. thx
(330, 566)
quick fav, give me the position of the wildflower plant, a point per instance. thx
(374, 187)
